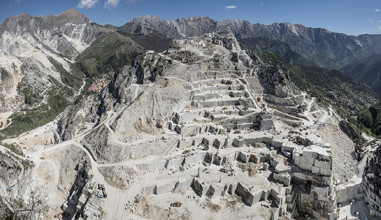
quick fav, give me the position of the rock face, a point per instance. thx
(37, 53)
(71, 157)
(120, 176)
(227, 106)
(68, 33)
(319, 45)
(149, 108)
(15, 173)
(100, 147)
(372, 183)
(181, 28)
(78, 119)
(349, 130)
(278, 83)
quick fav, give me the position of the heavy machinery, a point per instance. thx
(176, 204)
(223, 170)
(10, 187)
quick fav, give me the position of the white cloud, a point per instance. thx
(231, 7)
(132, 1)
(379, 27)
(87, 4)
(17, 1)
(111, 4)
(370, 20)
(261, 4)
(376, 10)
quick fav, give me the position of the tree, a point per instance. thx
(33, 207)
(366, 118)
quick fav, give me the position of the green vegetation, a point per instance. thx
(73, 80)
(261, 44)
(154, 41)
(294, 56)
(108, 53)
(157, 68)
(28, 119)
(4, 74)
(370, 118)
(12, 148)
(329, 86)
(31, 97)
(366, 71)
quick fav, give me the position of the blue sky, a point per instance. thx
(351, 17)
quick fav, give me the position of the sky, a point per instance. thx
(351, 17)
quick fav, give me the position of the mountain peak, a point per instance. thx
(71, 12)
(69, 16)
(146, 19)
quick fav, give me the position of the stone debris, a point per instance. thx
(216, 128)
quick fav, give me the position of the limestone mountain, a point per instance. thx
(37, 71)
(208, 100)
(261, 44)
(108, 53)
(155, 132)
(180, 28)
(154, 41)
(331, 87)
(106, 58)
(366, 70)
(327, 49)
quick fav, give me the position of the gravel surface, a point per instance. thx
(343, 152)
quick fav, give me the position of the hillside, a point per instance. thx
(206, 130)
(329, 86)
(366, 71)
(327, 49)
(107, 54)
(154, 41)
(36, 69)
(207, 122)
(371, 118)
(261, 44)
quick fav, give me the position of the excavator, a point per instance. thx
(176, 204)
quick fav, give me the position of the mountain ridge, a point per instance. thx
(366, 71)
(317, 43)
(36, 60)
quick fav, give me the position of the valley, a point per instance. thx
(153, 121)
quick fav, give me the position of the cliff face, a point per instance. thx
(372, 183)
(180, 28)
(36, 63)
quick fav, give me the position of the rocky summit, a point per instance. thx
(104, 122)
